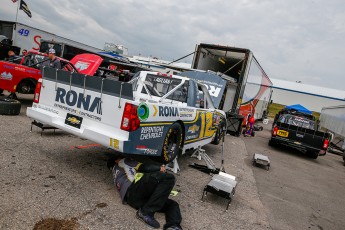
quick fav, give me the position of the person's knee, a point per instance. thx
(169, 178)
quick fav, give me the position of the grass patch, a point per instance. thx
(274, 108)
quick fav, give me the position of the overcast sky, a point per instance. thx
(293, 40)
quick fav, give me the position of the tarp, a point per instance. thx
(299, 108)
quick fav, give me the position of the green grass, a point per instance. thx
(275, 108)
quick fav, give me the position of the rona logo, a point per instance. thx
(168, 111)
(73, 98)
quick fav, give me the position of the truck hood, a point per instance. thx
(87, 63)
(214, 83)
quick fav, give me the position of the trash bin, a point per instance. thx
(234, 123)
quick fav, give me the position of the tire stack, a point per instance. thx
(9, 106)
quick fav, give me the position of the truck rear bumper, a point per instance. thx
(298, 145)
(104, 138)
(115, 138)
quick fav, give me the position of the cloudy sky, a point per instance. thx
(293, 40)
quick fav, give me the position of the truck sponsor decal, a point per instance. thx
(186, 112)
(151, 151)
(114, 143)
(155, 110)
(80, 65)
(9, 67)
(81, 113)
(162, 80)
(193, 129)
(46, 108)
(151, 132)
(192, 137)
(6, 76)
(166, 111)
(72, 98)
(143, 112)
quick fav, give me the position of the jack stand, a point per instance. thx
(175, 167)
(210, 166)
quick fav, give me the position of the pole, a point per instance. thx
(181, 58)
(15, 25)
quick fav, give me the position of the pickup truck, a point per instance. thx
(301, 133)
(23, 77)
(153, 114)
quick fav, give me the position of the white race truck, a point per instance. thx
(153, 114)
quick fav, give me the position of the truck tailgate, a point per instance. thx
(76, 103)
(301, 136)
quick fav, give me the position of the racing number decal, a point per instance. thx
(114, 143)
(202, 130)
(206, 125)
(208, 129)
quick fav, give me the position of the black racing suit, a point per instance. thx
(143, 186)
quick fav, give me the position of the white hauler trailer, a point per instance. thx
(333, 119)
(29, 38)
(248, 89)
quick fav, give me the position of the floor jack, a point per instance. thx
(221, 183)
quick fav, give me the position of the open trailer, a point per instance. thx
(248, 89)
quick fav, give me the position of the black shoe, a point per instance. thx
(174, 227)
(149, 220)
(111, 164)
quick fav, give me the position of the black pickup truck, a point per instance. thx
(301, 133)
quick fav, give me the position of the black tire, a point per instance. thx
(9, 106)
(312, 155)
(272, 143)
(219, 134)
(172, 143)
(1, 91)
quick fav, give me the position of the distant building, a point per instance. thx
(310, 96)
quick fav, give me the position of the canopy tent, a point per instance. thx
(299, 108)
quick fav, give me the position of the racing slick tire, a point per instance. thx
(9, 106)
(172, 143)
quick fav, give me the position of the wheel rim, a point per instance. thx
(172, 141)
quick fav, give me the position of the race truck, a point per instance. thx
(153, 114)
(22, 77)
(299, 132)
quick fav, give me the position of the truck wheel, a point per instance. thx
(312, 155)
(172, 143)
(272, 143)
(9, 106)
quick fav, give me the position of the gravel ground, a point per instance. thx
(47, 179)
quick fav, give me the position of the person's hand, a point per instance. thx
(163, 169)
